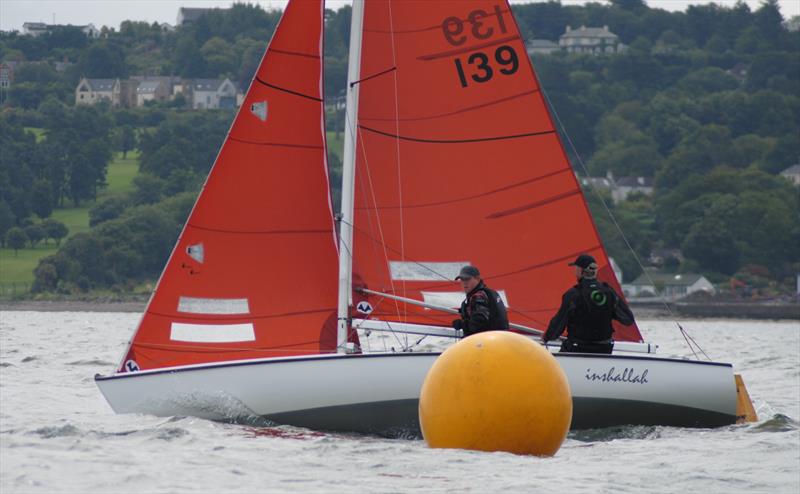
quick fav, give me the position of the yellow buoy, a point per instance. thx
(496, 391)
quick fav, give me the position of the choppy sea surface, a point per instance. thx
(57, 433)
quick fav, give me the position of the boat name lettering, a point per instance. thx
(627, 375)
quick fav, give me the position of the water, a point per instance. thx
(57, 434)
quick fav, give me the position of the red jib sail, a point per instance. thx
(254, 273)
(458, 162)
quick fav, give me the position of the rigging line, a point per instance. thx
(613, 218)
(511, 310)
(273, 86)
(368, 317)
(354, 131)
(349, 253)
(397, 151)
(456, 141)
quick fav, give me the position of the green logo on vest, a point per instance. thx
(598, 297)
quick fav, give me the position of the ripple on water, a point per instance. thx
(50, 432)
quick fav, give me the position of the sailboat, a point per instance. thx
(451, 158)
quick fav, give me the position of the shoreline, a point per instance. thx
(788, 311)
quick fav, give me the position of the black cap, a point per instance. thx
(468, 272)
(583, 261)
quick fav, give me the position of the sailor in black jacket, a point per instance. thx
(483, 308)
(587, 310)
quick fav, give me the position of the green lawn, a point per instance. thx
(335, 146)
(39, 133)
(16, 271)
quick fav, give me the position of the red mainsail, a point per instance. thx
(458, 161)
(254, 272)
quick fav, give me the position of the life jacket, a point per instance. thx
(498, 316)
(594, 310)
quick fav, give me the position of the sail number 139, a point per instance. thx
(480, 66)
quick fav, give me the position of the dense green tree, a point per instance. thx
(55, 229)
(103, 60)
(35, 234)
(7, 220)
(16, 239)
(42, 198)
(108, 209)
(148, 189)
(126, 139)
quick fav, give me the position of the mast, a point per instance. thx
(348, 176)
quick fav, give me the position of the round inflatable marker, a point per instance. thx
(496, 391)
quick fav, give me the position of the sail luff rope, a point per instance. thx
(397, 150)
(355, 131)
(350, 253)
(616, 224)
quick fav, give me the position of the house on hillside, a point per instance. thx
(792, 173)
(593, 40)
(667, 285)
(154, 89)
(6, 74)
(34, 28)
(93, 91)
(541, 47)
(212, 94)
(39, 28)
(626, 186)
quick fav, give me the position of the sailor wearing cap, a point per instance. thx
(483, 308)
(587, 310)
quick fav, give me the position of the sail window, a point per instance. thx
(212, 333)
(196, 252)
(425, 271)
(259, 110)
(453, 300)
(194, 305)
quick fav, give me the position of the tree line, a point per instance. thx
(705, 101)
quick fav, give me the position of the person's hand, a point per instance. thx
(458, 324)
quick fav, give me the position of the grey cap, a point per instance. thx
(468, 272)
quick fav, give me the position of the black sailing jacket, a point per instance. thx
(587, 310)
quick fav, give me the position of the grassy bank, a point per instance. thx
(16, 270)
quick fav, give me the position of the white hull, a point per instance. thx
(378, 393)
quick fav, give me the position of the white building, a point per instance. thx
(592, 40)
(792, 173)
(92, 91)
(626, 186)
(666, 285)
(39, 28)
(213, 94)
